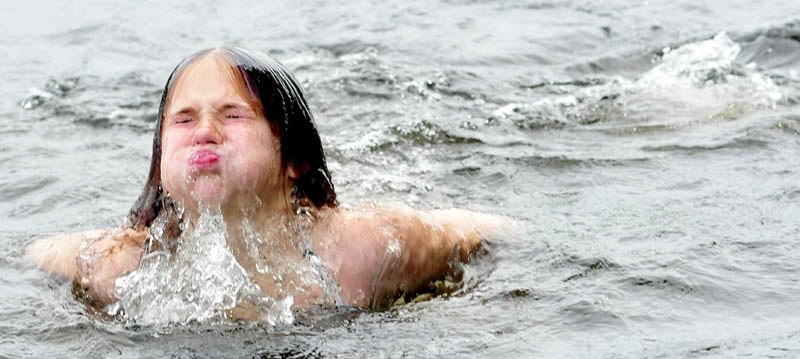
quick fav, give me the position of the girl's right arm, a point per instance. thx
(95, 259)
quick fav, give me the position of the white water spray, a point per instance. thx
(197, 277)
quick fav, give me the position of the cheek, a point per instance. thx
(171, 166)
(259, 156)
(269, 153)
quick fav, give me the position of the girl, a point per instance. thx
(235, 138)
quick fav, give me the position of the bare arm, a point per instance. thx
(93, 258)
(377, 255)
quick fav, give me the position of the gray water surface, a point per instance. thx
(650, 150)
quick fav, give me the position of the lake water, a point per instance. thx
(650, 149)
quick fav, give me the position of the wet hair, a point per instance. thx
(286, 111)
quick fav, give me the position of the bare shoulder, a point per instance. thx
(360, 229)
(386, 249)
(400, 217)
(110, 253)
(463, 222)
(351, 244)
(403, 222)
(59, 253)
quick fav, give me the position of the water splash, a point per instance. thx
(700, 80)
(301, 272)
(695, 64)
(711, 63)
(198, 279)
(209, 274)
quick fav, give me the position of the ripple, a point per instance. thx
(563, 161)
(739, 143)
(655, 283)
(428, 133)
(93, 102)
(592, 267)
(791, 125)
(586, 314)
(20, 188)
(350, 47)
(773, 48)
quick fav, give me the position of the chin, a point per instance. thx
(208, 193)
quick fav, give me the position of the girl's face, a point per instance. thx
(217, 147)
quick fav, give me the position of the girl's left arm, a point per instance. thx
(379, 253)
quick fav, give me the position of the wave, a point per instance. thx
(773, 48)
(90, 101)
(692, 82)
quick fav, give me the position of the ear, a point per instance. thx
(292, 172)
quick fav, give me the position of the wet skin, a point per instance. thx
(217, 145)
(218, 151)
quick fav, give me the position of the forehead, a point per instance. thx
(207, 79)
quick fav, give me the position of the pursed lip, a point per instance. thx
(203, 159)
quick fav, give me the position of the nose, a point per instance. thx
(207, 132)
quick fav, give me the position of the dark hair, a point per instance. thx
(289, 117)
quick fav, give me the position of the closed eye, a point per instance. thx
(182, 119)
(184, 115)
(236, 111)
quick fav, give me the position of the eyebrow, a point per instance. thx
(225, 106)
(236, 106)
(184, 110)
